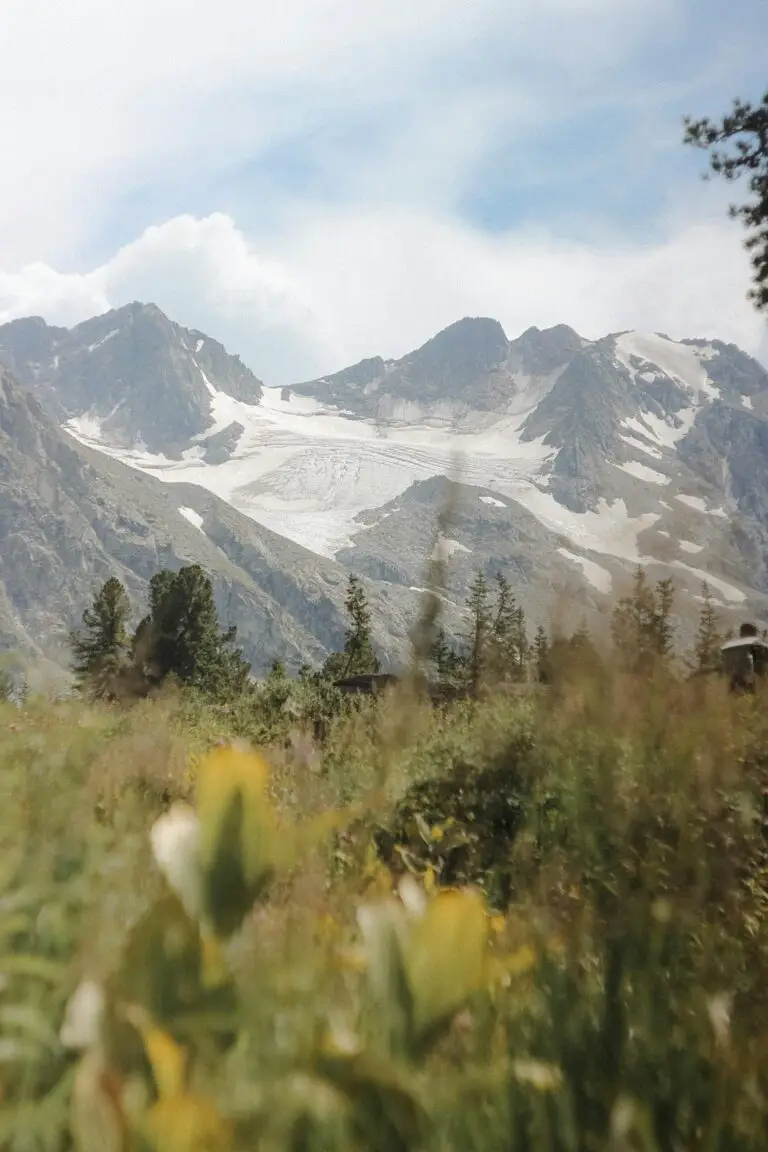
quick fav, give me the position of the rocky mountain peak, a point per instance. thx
(463, 351)
(542, 351)
(133, 373)
(26, 342)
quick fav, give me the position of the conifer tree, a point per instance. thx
(504, 628)
(480, 631)
(662, 635)
(277, 688)
(181, 635)
(358, 657)
(522, 645)
(706, 652)
(100, 649)
(509, 641)
(540, 653)
(359, 645)
(450, 664)
(642, 624)
(738, 148)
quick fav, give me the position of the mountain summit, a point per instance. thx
(131, 373)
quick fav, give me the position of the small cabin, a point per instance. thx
(745, 658)
(368, 684)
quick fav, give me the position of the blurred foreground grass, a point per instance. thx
(247, 973)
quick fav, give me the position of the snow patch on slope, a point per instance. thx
(680, 362)
(641, 446)
(642, 472)
(599, 577)
(445, 548)
(700, 505)
(610, 530)
(193, 517)
(99, 343)
(730, 592)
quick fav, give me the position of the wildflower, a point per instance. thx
(413, 896)
(719, 1011)
(175, 838)
(83, 1017)
(543, 1077)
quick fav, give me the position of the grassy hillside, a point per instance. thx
(594, 976)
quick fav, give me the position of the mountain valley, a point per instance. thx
(560, 461)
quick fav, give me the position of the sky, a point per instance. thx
(319, 181)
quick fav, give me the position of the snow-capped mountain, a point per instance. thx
(70, 517)
(577, 459)
(140, 378)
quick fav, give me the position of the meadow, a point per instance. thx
(535, 921)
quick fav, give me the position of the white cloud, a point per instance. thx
(101, 105)
(98, 100)
(343, 286)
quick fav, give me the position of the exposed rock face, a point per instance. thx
(481, 531)
(70, 518)
(140, 378)
(463, 367)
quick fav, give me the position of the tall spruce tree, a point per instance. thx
(509, 641)
(504, 653)
(450, 664)
(642, 625)
(101, 648)
(358, 657)
(706, 651)
(480, 632)
(540, 653)
(738, 148)
(522, 646)
(663, 631)
(181, 635)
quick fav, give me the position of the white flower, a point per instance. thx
(719, 1010)
(174, 838)
(413, 896)
(543, 1077)
(83, 1016)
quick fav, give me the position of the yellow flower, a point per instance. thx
(446, 955)
(177, 1121)
(187, 1124)
(168, 1060)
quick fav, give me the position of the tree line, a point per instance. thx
(644, 629)
(180, 637)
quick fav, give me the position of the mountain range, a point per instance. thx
(129, 443)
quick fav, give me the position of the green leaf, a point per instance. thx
(35, 967)
(163, 967)
(385, 1111)
(30, 1021)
